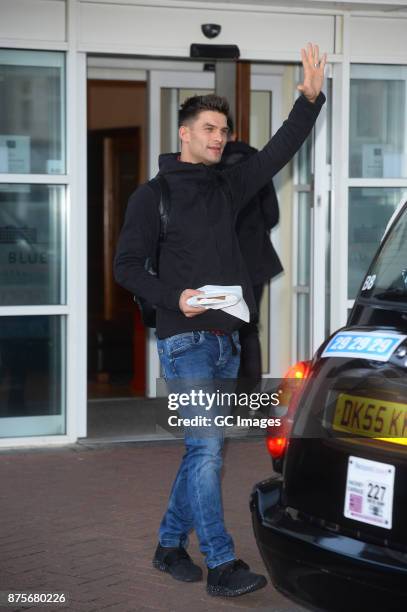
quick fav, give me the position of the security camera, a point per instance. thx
(210, 30)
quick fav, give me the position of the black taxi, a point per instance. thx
(331, 524)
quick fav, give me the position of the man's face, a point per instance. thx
(203, 139)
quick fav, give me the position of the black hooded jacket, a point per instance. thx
(255, 221)
(201, 245)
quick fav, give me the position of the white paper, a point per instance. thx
(228, 298)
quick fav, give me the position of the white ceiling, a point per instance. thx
(349, 5)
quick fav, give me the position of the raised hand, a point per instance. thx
(313, 72)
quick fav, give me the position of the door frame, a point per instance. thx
(319, 186)
(273, 83)
(320, 217)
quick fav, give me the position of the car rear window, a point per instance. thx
(387, 277)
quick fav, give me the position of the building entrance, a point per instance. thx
(116, 337)
(131, 104)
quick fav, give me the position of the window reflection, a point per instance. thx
(32, 244)
(31, 380)
(369, 211)
(378, 127)
(32, 126)
(390, 268)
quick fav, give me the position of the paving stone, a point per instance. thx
(84, 522)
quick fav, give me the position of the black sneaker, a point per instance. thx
(232, 579)
(178, 563)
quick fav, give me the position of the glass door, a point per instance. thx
(266, 117)
(166, 91)
(33, 244)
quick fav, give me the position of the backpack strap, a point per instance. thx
(161, 191)
(160, 187)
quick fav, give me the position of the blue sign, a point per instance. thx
(378, 346)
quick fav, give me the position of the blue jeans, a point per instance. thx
(203, 361)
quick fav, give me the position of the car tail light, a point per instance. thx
(277, 439)
(299, 371)
(276, 446)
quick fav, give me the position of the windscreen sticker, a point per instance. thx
(378, 346)
(369, 282)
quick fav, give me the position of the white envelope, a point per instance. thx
(228, 298)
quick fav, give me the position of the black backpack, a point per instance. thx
(161, 190)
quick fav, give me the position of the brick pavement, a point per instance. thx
(84, 520)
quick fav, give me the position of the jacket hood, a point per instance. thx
(170, 162)
(235, 152)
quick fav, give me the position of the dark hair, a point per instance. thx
(231, 125)
(196, 104)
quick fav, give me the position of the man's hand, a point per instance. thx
(190, 311)
(313, 72)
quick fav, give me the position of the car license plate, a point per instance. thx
(378, 346)
(374, 418)
(369, 492)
